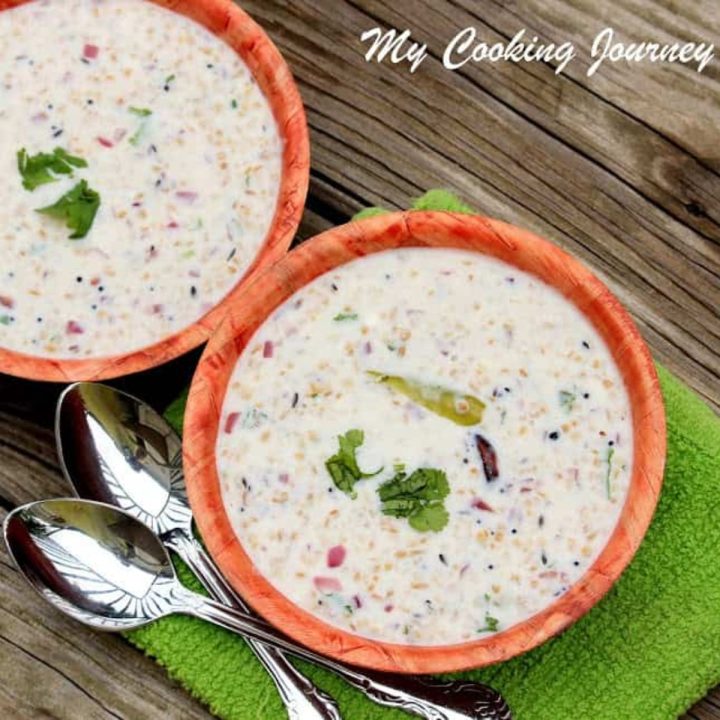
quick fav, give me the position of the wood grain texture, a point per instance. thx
(226, 20)
(50, 666)
(621, 169)
(546, 152)
(422, 229)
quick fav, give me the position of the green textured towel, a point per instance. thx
(647, 651)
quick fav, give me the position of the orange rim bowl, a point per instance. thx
(228, 22)
(423, 229)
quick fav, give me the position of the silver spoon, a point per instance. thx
(117, 450)
(104, 568)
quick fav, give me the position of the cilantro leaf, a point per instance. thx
(43, 168)
(77, 207)
(491, 624)
(431, 517)
(135, 137)
(343, 466)
(340, 317)
(424, 484)
(143, 114)
(418, 497)
(609, 461)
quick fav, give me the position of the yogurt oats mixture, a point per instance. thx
(164, 122)
(425, 446)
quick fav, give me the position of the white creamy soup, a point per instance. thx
(155, 160)
(425, 446)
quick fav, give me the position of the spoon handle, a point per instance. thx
(303, 700)
(197, 558)
(425, 697)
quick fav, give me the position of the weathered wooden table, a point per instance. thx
(622, 169)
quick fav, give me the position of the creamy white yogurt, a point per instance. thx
(182, 147)
(557, 416)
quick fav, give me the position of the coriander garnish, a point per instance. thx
(135, 137)
(43, 168)
(419, 498)
(340, 317)
(567, 400)
(142, 113)
(608, 460)
(77, 208)
(343, 466)
(491, 624)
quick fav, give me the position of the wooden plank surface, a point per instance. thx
(622, 169)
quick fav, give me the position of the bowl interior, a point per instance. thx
(336, 247)
(228, 22)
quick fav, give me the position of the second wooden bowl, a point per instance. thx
(228, 22)
(341, 245)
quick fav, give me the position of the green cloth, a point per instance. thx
(647, 651)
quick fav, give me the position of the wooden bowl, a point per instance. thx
(336, 247)
(228, 22)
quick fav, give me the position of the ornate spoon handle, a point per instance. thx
(428, 698)
(303, 700)
(433, 699)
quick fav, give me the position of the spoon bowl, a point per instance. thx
(116, 449)
(94, 563)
